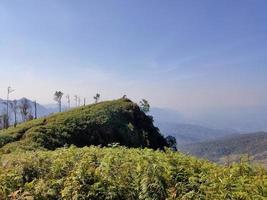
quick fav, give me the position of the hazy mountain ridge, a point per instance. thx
(238, 119)
(231, 147)
(171, 122)
(189, 133)
(243, 119)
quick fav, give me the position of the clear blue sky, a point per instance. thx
(183, 54)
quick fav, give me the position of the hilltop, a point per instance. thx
(230, 148)
(118, 121)
(68, 156)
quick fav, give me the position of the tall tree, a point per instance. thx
(14, 108)
(84, 101)
(97, 97)
(1, 122)
(68, 100)
(25, 109)
(57, 97)
(5, 118)
(6, 121)
(9, 90)
(144, 105)
(35, 110)
(171, 141)
(76, 100)
(79, 101)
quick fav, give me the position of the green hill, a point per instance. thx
(34, 167)
(231, 148)
(119, 121)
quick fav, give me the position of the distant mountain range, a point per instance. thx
(172, 123)
(242, 119)
(230, 148)
(188, 133)
(217, 144)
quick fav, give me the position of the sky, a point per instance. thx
(187, 55)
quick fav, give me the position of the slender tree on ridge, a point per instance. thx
(97, 97)
(9, 90)
(14, 108)
(57, 97)
(76, 100)
(144, 105)
(68, 100)
(25, 109)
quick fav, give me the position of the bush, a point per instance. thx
(121, 173)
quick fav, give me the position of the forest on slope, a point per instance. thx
(253, 146)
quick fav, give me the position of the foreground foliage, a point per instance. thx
(121, 173)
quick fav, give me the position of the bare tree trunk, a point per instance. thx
(35, 110)
(59, 104)
(6, 120)
(15, 116)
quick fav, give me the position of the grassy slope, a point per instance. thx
(111, 173)
(118, 121)
(121, 173)
(254, 144)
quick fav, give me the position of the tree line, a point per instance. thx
(23, 108)
(25, 111)
(58, 98)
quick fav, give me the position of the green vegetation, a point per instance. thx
(121, 173)
(119, 121)
(49, 159)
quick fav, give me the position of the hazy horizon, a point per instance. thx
(193, 57)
